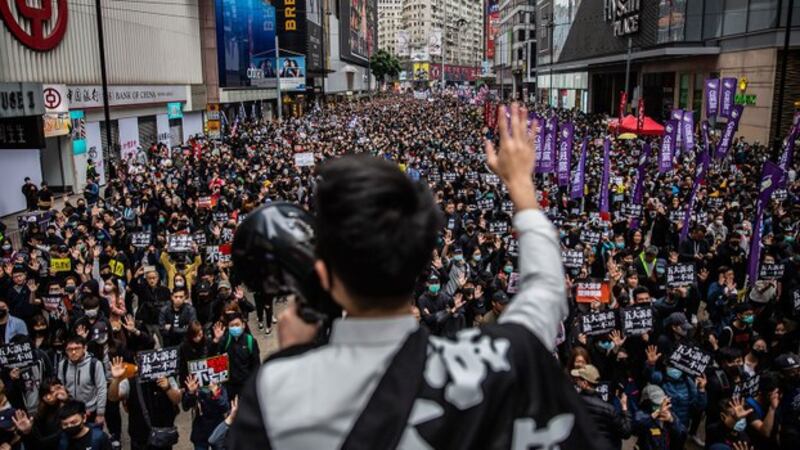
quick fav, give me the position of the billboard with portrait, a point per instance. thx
(245, 31)
(292, 72)
(358, 30)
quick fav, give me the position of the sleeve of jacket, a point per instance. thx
(102, 387)
(249, 430)
(622, 423)
(541, 302)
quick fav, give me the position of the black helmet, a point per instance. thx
(273, 250)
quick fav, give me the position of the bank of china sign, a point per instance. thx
(624, 15)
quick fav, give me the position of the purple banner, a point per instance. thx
(638, 190)
(727, 96)
(788, 152)
(579, 175)
(730, 131)
(565, 153)
(687, 131)
(771, 176)
(706, 140)
(606, 176)
(700, 175)
(667, 146)
(547, 163)
(537, 138)
(712, 96)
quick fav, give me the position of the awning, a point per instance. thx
(349, 69)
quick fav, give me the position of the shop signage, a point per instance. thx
(92, 96)
(745, 99)
(33, 26)
(55, 98)
(20, 99)
(624, 15)
(56, 124)
(78, 132)
(22, 133)
(175, 110)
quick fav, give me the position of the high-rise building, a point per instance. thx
(514, 59)
(388, 24)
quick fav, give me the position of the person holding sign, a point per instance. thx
(208, 404)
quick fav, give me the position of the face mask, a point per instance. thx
(180, 284)
(476, 258)
(740, 426)
(606, 345)
(91, 313)
(6, 248)
(70, 289)
(619, 245)
(748, 320)
(73, 431)
(434, 288)
(458, 258)
(3, 313)
(105, 276)
(236, 331)
(508, 269)
(674, 373)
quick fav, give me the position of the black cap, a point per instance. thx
(787, 361)
(501, 298)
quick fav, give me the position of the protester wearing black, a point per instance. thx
(612, 426)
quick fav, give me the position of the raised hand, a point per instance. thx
(701, 382)
(82, 331)
(117, 367)
(652, 355)
(515, 160)
(617, 338)
(23, 423)
(192, 385)
(737, 403)
(219, 330)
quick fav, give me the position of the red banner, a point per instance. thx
(623, 100)
(490, 114)
(640, 114)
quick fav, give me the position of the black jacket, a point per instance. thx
(612, 427)
(151, 301)
(243, 356)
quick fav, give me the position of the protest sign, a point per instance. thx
(55, 307)
(220, 217)
(573, 259)
(716, 202)
(602, 389)
(140, 240)
(204, 202)
(199, 238)
(155, 364)
(42, 219)
(61, 265)
(676, 216)
(771, 271)
(780, 195)
(747, 387)
(471, 176)
(179, 243)
(210, 370)
(16, 356)
(449, 177)
(508, 207)
(498, 227)
(490, 179)
(680, 275)
(513, 283)
(631, 211)
(227, 234)
(637, 320)
(512, 244)
(690, 359)
(598, 323)
(485, 204)
(304, 159)
(590, 237)
(218, 253)
(592, 290)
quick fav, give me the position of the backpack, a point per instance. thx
(98, 436)
(93, 363)
(249, 343)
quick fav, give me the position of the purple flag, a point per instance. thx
(606, 176)
(712, 96)
(638, 190)
(537, 138)
(677, 116)
(546, 163)
(687, 131)
(730, 131)
(771, 176)
(706, 140)
(667, 146)
(727, 95)
(788, 152)
(565, 153)
(578, 176)
(700, 175)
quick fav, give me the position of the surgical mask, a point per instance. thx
(180, 284)
(434, 288)
(674, 373)
(73, 431)
(458, 258)
(105, 276)
(91, 313)
(740, 425)
(476, 258)
(70, 289)
(619, 245)
(606, 345)
(508, 269)
(748, 319)
(6, 248)
(236, 331)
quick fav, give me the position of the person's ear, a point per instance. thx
(323, 274)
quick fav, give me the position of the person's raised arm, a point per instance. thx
(541, 302)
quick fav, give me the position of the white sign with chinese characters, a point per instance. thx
(90, 96)
(624, 15)
(128, 137)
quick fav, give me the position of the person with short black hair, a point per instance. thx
(85, 378)
(77, 432)
(175, 318)
(238, 343)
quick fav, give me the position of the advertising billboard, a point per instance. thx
(245, 30)
(314, 56)
(292, 72)
(358, 30)
(292, 26)
(492, 26)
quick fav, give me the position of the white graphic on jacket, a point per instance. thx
(527, 436)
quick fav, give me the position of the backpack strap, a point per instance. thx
(382, 423)
(250, 343)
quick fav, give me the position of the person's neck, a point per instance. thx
(83, 432)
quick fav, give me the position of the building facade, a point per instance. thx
(673, 46)
(389, 13)
(514, 59)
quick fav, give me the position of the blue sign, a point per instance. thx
(175, 110)
(245, 31)
(78, 132)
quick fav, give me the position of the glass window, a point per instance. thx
(697, 95)
(694, 21)
(713, 19)
(683, 95)
(795, 16)
(763, 14)
(735, 17)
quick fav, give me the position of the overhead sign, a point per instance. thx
(623, 15)
(55, 98)
(56, 124)
(175, 110)
(20, 99)
(38, 27)
(90, 96)
(22, 133)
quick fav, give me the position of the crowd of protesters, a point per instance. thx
(121, 289)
